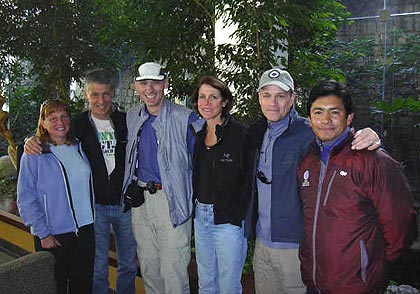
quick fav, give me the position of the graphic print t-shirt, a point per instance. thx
(107, 140)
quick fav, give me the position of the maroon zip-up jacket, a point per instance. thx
(358, 217)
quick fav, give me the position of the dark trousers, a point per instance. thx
(73, 261)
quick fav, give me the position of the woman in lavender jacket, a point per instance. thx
(55, 199)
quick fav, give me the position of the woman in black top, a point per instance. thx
(219, 187)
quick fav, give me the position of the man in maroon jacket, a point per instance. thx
(358, 206)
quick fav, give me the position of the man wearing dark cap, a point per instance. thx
(274, 216)
(157, 182)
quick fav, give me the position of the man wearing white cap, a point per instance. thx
(274, 215)
(157, 183)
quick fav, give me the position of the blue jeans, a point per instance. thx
(107, 215)
(220, 253)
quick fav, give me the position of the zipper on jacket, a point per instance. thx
(314, 261)
(363, 260)
(66, 183)
(213, 167)
(95, 129)
(133, 147)
(133, 157)
(92, 189)
(318, 204)
(130, 163)
(327, 193)
(46, 208)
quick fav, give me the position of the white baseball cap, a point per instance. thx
(151, 71)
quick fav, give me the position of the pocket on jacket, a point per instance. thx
(364, 259)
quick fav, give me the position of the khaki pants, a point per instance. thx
(277, 271)
(163, 251)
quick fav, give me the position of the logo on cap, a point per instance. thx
(274, 73)
(277, 77)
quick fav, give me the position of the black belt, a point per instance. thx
(152, 187)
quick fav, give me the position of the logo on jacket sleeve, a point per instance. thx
(305, 182)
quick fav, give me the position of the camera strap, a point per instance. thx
(136, 164)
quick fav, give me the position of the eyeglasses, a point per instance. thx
(261, 176)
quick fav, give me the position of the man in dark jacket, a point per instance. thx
(274, 214)
(358, 207)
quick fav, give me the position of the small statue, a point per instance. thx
(5, 132)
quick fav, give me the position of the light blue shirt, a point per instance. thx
(78, 174)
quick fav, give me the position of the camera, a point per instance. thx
(151, 187)
(134, 196)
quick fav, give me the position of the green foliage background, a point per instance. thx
(62, 39)
(45, 45)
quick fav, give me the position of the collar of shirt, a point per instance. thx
(326, 147)
(277, 128)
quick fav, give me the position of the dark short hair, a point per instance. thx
(328, 88)
(217, 84)
(100, 76)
